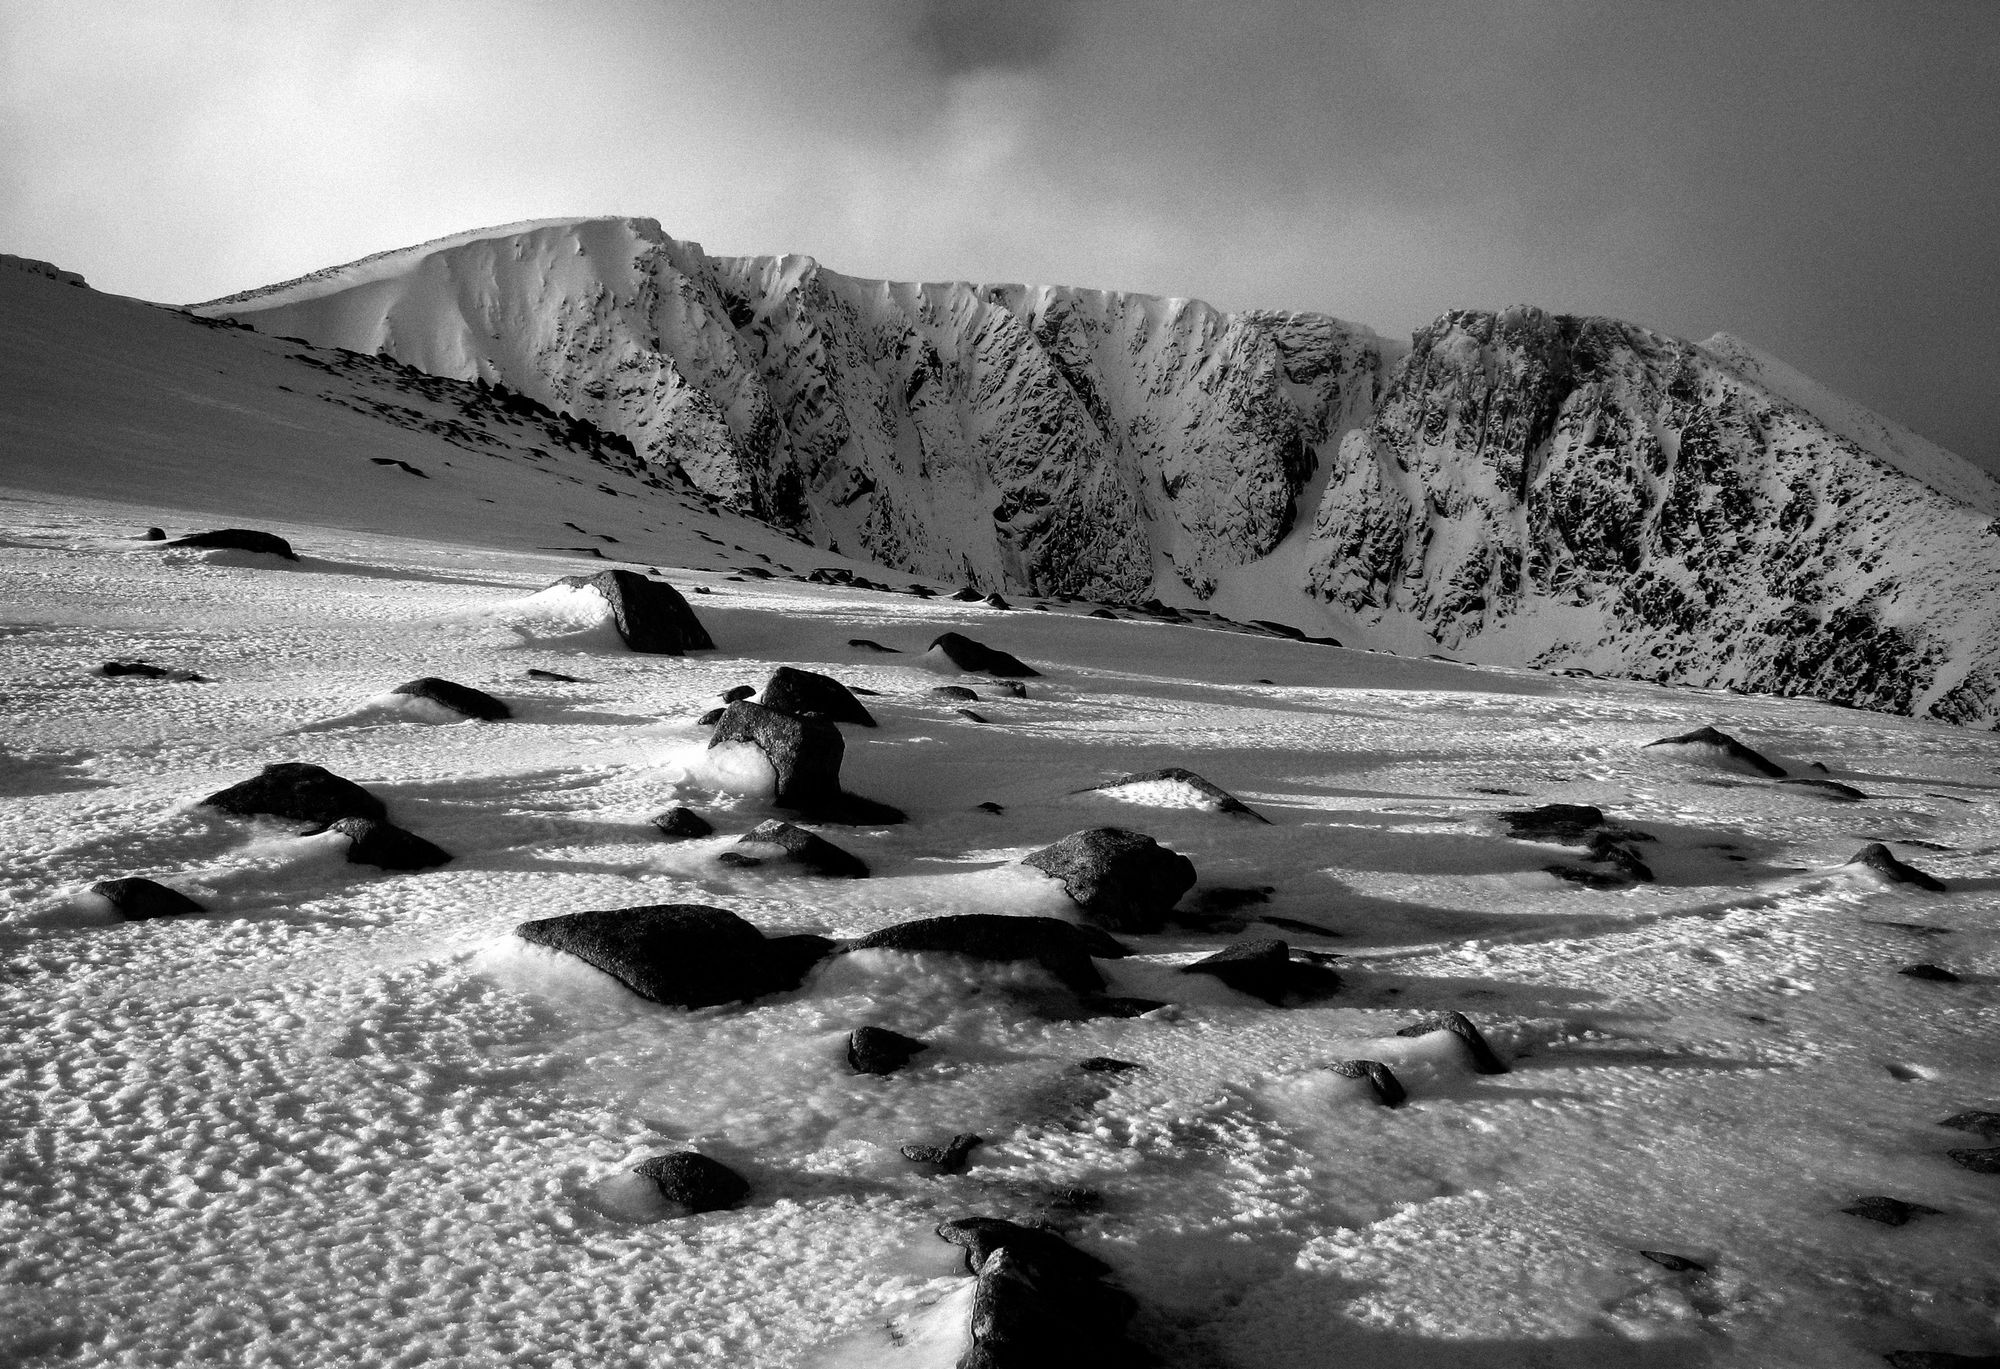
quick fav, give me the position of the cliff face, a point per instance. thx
(1517, 487)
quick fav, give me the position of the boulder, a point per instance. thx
(301, 792)
(386, 846)
(1264, 968)
(949, 1158)
(1107, 1064)
(870, 644)
(461, 699)
(1178, 787)
(805, 752)
(1726, 748)
(710, 718)
(556, 675)
(1122, 880)
(995, 601)
(808, 849)
(1388, 1088)
(694, 1181)
(977, 657)
(1012, 688)
(737, 860)
(966, 595)
(1978, 1160)
(1879, 858)
(238, 539)
(1977, 1122)
(1459, 1025)
(991, 807)
(651, 615)
(955, 693)
(1936, 973)
(971, 716)
(1039, 1301)
(807, 694)
(1833, 789)
(1057, 946)
(735, 692)
(877, 1050)
(146, 670)
(1104, 613)
(134, 899)
(1679, 1264)
(1561, 824)
(681, 824)
(1580, 824)
(1889, 1211)
(153, 535)
(685, 955)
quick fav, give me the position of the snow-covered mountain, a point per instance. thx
(1514, 487)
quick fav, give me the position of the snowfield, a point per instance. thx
(346, 1117)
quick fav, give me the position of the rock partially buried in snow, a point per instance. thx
(808, 849)
(1679, 1264)
(301, 792)
(1580, 824)
(735, 692)
(238, 539)
(693, 1181)
(1039, 1301)
(1977, 1122)
(462, 699)
(1879, 858)
(805, 752)
(1979, 1161)
(135, 900)
(965, 654)
(1459, 1025)
(955, 693)
(153, 535)
(971, 716)
(1831, 788)
(536, 673)
(1122, 880)
(1889, 1211)
(1264, 968)
(1935, 973)
(146, 670)
(1107, 1064)
(949, 1158)
(1057, 946)
(808, 694)
(386, 846)
(681, 824)
(1174, 787)
(1388, 1089)
(870, 644)
(650, 615)
(686, 955)
(877, 1050)
(1720, 746)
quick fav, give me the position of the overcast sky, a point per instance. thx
(1817, 177)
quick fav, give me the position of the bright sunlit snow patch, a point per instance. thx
(1160, 794)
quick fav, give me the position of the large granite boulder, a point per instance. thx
(238, 539)
(301, 792)
(808, 694)
(805, 752)
(1122, 880)
(460, 699)
(686, 955)
(650, 614)
(135, 900)
(963, 653)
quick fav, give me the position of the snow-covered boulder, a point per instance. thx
(1882, 861)
(650, 616)
(1719, 748)
(458, 698)
(386, 846)
(1174, 787)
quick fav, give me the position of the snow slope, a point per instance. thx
(1516, 487)
(346, 1117)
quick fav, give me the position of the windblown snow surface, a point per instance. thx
(346, 1117)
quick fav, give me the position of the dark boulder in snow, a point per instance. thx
(1389, 1091)
(1012, 688)
(685, 955)
(1122, 880)
(1935, 973)
(1679, 1264)
(301, 792)
(966, 594)
(694, 1181)
(1104, 613)
(949, 1158)
(1977, 1122)
(1177, 787)
(1879, 858)
(1459, 1025)
(651, 616)
(153, 535)
(1059, 947)
(1564, 824)
(808, 694)
(1831, 788)
(1039, 1301)
(808, 849)
(386, 846)
(1264, 968)
(737, 860)
(995, 601)
(870, 644)
(1723, 747)
(805, 752)
(735, 692)
(965, 654)
(462, 699)
(971, 716)
(680, 823)
(238, 539)
(996, 809)
(877, 1050)
(1107, 1064)
(556, 675)
(1979, 1160)
(955, 693)
(1889, 1211)
(134, 899)
(1580, 824)
(146, 670)
(710, 718)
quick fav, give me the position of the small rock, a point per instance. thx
(1978, 1123)
(301, 792)
(153, 535)
(556, 675)
(1057, 946)
(954, 693)
(808, 694)
(1459, 1025)
(1680, 1264)
(694, 1181)
(1979, 1161)
(737, 860)
(650, 615)
(995, 601)
(1879, 858)
(1071, 1198)
(1831, 788)
(877, 1050)
(146, 670)
(135, 900)
(1264, 968)
(971, 716)
(1724, 747)
(1889, 1211)
(238, 539)
(685, 955)
(473, 703)
(735, 692)
(1122, 880)
(809, 849)
(1012, 688)
(949, 1158)
(1936, 973)
(681, 824)
(990, 807)
(966, 654)
(868, 644)
(386, 846)
(1107, 1064)
(966, 595)
(1389, 1090)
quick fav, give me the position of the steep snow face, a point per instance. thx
(1044, 439)
(1560, 490)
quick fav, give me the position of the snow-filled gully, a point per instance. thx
(347, 1116)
